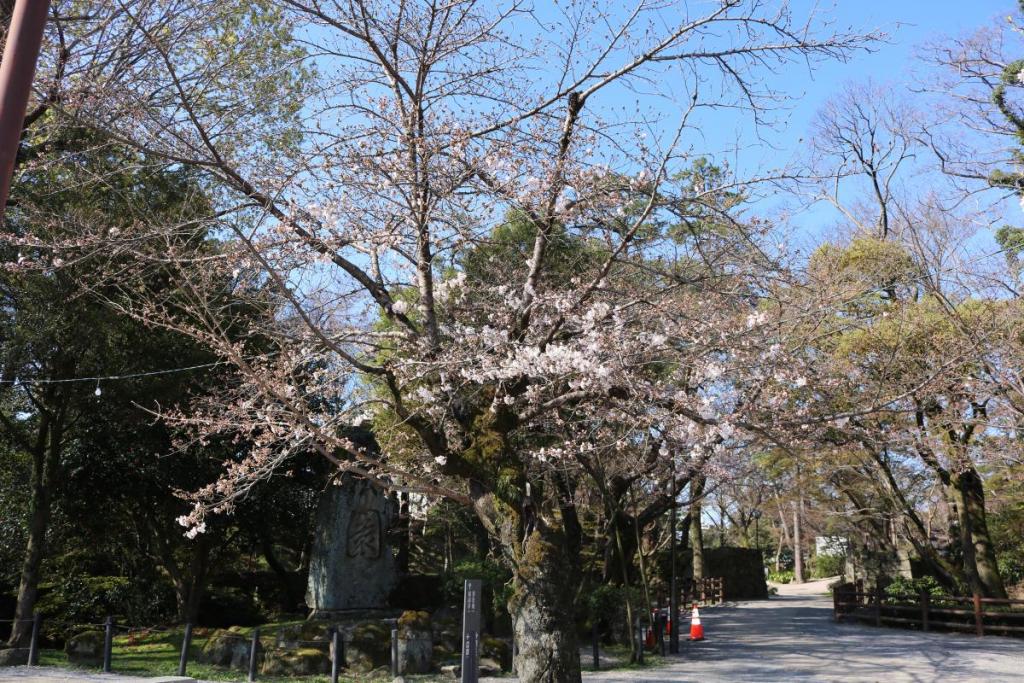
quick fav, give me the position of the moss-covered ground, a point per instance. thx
(156, 653)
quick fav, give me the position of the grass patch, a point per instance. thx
(616, 658)
(156, 653)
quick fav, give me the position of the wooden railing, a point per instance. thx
(707, 591)
(947, 612)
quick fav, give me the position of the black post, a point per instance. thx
(639, 642)
(252, 654)
(394, 652)
(925, 599)
(108, 643)
(673, 599)
(878, 606)
(596, 644)
(186, 641)
(33, 645)
(659, 640)
(662, 645)
(335, 653)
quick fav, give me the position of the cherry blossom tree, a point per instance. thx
(366, 156)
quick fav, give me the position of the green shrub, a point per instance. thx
(79, 599)
(606, 607)
(1011, 565)
(497, 582)
(785, 576)
(607, 600)
(828, 565)
(909, 589)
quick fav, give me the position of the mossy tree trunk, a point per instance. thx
(978, 549)
(965, 492)
(540, 539)
(543, 611)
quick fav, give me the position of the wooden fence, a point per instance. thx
(708, 591)
(926, 612)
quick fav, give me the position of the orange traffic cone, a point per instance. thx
(696, 629)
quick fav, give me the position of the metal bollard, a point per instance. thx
(186, 641)
(659, 632)
(108, 643)
(252, 654)
(394, 652)
(925, 599)
(336, 653)
(639, 642)
(33, 645)
(595, 641)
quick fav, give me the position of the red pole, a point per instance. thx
(21, 53)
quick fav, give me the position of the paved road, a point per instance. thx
(793, 638)
(49, 674)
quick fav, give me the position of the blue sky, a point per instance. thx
(910, 25)
(729, 135)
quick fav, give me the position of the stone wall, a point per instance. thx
(742, 570)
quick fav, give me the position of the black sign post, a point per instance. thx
(471, 631)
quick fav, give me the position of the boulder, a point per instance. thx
(302, 662)
(227, 647)
(498, 650)
(85, 648)
(308, 634)
(368, 647)
(489, 667)
(415, 643)
(14, 656)
(446, 629)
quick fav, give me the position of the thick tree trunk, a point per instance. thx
(543, 611)
(31, 569)
(978, 547)
(540, 539)
(696, 527)
(45, 465)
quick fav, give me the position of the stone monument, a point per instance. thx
(352, 566)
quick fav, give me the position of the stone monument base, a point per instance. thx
(342, 616)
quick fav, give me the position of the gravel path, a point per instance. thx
(792, 638)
